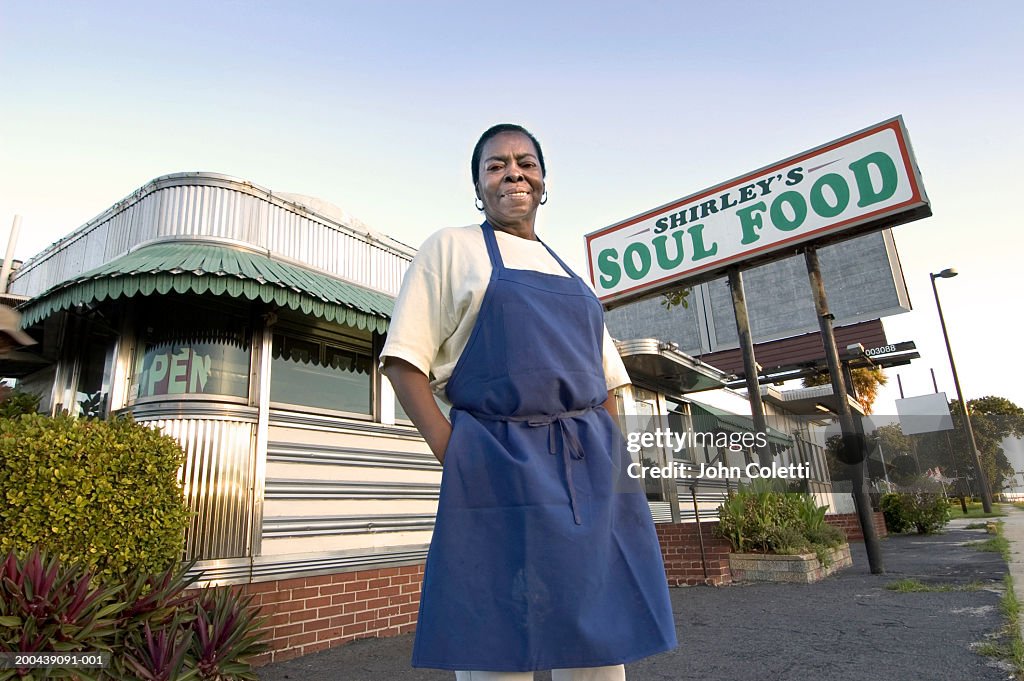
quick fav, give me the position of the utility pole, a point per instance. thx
(853, 446)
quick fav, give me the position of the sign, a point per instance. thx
(859, 183)
(184, 371)
(924, 414)
(198, 368)
(890, 349)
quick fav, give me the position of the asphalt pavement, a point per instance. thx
(849, 627)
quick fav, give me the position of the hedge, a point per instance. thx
(104, 494)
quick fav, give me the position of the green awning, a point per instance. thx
(191, 267)
(710, 419)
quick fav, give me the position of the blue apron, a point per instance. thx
(544, 554)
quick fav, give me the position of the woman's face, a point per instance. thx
(511, 182)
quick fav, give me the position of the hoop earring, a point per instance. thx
(481, 206)
(544, 197)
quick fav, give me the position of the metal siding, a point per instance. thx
(344, 489)
(217, 481)
(209, 207)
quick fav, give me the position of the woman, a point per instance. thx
(544, 554)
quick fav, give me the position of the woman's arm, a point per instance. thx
(610, 406)
(413, 390)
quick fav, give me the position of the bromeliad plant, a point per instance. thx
(153, 627)
(224, 638)
(160, 655)
(44, 607)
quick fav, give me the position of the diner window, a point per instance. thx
(95, 362)
(311, 371)
(185, 349)
(677, 420)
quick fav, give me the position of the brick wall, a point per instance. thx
(850, 524)
(680, 549)
(307, 614)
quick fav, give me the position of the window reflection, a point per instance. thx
(321, 373)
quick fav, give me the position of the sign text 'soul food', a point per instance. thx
(859, 183)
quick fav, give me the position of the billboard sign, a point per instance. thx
(859, 183)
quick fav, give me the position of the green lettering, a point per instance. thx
(700, 251)
(750, 221)
(632, 270)
(838, 186)
(779, 218)
(862, 173)
(607, 263)
(664, 262)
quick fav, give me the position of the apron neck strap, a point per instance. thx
(572, 275)
(492, 249)
(494, 253)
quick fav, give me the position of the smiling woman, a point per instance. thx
(509, 180)
(544, 554)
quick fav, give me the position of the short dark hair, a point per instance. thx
(493, 131)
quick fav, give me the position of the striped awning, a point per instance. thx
(191, 267)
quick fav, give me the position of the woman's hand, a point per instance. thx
(413, 390)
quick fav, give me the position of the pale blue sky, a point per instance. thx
(374, 106)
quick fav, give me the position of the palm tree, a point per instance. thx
(866, 382)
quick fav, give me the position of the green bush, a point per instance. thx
(104, 494)
(14, 403)
(921, 509)
(760, 518)
(895, 513)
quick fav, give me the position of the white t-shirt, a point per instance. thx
(441, 296)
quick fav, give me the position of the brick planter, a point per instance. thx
(802, 569)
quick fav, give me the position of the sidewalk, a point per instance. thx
(1013, 530)
(848, 627)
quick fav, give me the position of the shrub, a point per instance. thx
(752, 517)
(921, 509)
(759, 518)
(151, 626)
(895, 513)
(14, 403)
(104, 494)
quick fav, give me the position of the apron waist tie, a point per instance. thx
(571, 446)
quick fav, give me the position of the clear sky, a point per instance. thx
(375, 106)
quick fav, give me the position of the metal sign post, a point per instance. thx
(739, 305)
(853, 445)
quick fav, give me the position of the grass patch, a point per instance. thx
(997, 544)
(994, 545)
(1010, 647)
(976, 526)
(976, 511)
(917, 586)
(1011, 609)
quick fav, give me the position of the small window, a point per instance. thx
(322, 373)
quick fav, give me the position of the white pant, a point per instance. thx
(615, 673)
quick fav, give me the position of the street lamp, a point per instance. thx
(986, 494)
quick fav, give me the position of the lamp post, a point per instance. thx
(986, 494)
